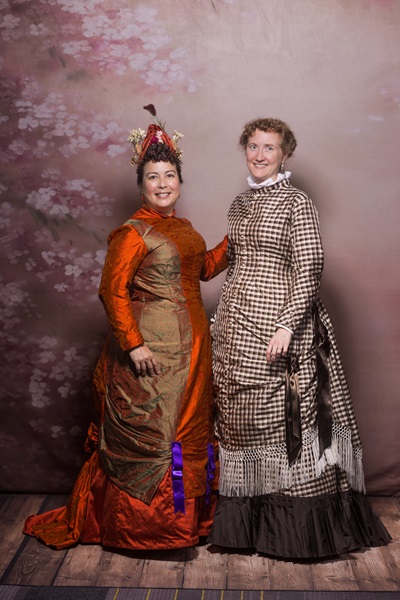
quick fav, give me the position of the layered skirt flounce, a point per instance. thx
(298, 527)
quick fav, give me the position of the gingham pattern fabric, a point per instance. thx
(331, 481)
(276, 261)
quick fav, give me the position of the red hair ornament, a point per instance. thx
(156, 134)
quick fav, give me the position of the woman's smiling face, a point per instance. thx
(264, 155)
(160, 187)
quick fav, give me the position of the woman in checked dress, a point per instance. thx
(292, 482)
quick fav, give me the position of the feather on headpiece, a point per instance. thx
(156, 134)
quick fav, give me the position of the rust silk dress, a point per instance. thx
(123, 496)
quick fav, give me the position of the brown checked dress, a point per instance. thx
(291, 482)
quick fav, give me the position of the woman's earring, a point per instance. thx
(282, 166)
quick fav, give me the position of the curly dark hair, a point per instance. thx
(158, 153)
(288, 143)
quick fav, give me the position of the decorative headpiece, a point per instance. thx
(156, 134)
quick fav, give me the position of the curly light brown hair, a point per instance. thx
(288, 141)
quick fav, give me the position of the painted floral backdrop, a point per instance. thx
(74, 77)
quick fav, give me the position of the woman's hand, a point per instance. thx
(278, 345)
(144, 361)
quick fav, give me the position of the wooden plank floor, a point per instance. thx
(25, 561)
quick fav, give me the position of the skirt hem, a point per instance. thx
(298, 527)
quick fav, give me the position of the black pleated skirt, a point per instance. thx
(298, 527)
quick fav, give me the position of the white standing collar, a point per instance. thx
(267, 182)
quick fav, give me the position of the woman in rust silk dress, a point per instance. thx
(291, 481)
(149, 481)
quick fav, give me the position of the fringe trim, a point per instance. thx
(259, 471)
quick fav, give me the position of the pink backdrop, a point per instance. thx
(75, 76)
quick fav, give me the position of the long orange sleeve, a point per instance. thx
(215, 261)
(126, 251)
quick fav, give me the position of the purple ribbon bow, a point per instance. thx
(210, 471)
(177, 477)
